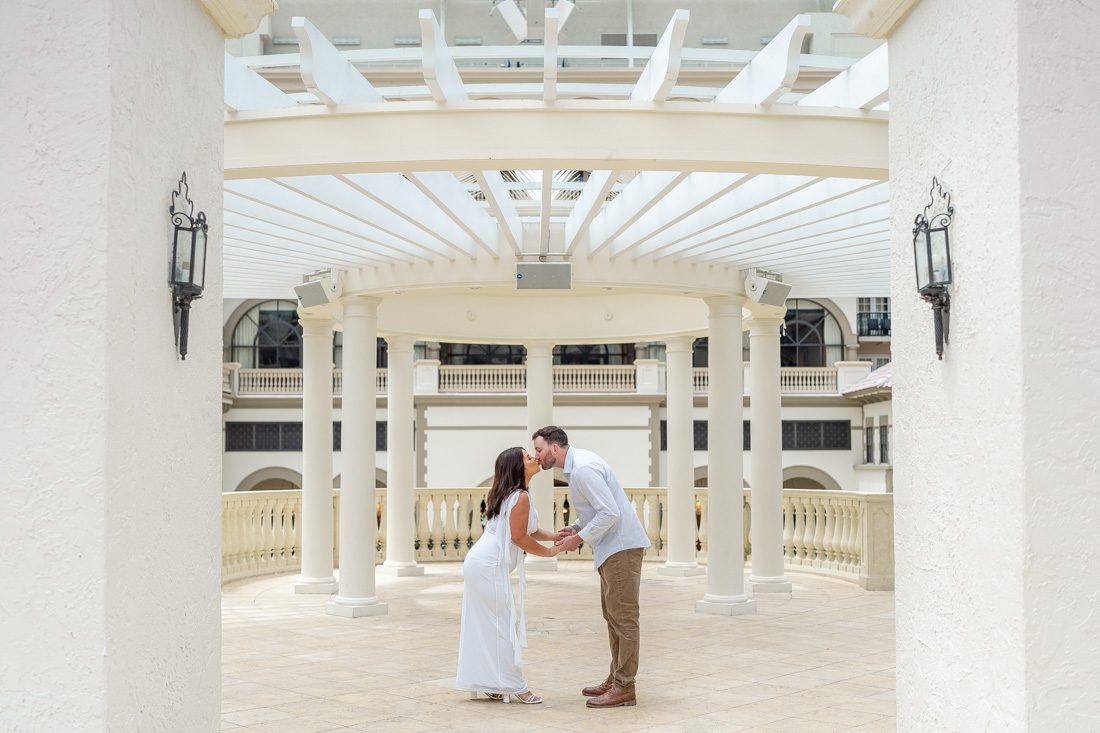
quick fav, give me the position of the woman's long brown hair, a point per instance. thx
(507, 478)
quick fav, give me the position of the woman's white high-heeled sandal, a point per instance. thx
(531, 699)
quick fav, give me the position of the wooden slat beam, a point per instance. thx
(440, 72)
(636, 198)
(772, 72)
(663, 68)
(246, 90)
(864, 85)
(502, 206)
(326, 73)
(587, 206)
(455, 201)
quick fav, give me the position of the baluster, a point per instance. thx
(854, 549)
(797, 541)
(788, 528)
(746, 519)
(819, 532)
(278, 534)
(842, 541)
(437, 525)
(808, 552)
(420, 525)
(653, 523)
(476, 527)
(381, 498)
(829, 540)
(228, 538)
(806, 536)
(662, 529)
(702, 498)
(256, 536)
(465, 521)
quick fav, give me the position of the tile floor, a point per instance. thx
(822, 660)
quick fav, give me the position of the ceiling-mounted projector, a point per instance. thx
(766, 290)
(544, 276)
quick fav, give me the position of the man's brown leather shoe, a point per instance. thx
(616, 697)
(596, 690)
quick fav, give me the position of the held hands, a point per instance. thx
(569, 543)
(563, 533)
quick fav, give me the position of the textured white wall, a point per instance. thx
(1060, 205)
(111, 466)
(959, 467)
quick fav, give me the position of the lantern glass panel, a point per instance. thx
(941, 261)
(920, 250)
(181, 264)
(199, 276)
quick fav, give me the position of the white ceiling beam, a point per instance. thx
(440, 72)
(333, 241)
(266, 255)
(547, 201)
(663, 68)
(636, 198)
(325, 71)
(757, 192)
(246, 90)
(864, 85)
(550, 56)
(876, 217)
(293, 245)
(694, 193)
(335, 199)
(324, 221)
(455, 201)
(824, 246)
(818, 193)
(502, 206)
(772, 72)
(791, 220)
(406, 200)
(590, 202)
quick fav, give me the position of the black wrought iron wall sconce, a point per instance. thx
(187, 269)
(932, 254)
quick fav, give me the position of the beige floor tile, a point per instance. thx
(820, 659)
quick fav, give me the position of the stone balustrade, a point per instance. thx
(844, 534)
(282, 382)
(512, 378)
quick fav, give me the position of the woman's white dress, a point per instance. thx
(493, 629)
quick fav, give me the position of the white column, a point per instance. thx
(540, 412)
(316, 576)
(681, 470)
(725, 493)
(358, 518)
(400, 455)
(767, 459)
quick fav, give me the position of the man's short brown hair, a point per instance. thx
(552, 434)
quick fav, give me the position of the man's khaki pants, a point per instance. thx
(620, 580)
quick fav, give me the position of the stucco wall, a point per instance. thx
(959, 491)
(112, 465)
(1060, 201)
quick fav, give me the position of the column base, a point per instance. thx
(534, 562)
(768, 585)
(356, 607)
(316, 586)
(681, 570)
(400, 570)
(726, 605)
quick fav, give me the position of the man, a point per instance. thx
(607, 522)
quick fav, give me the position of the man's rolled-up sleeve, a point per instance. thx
(589, 482)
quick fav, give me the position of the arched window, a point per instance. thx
(811, 336)
(268, 336)
(478, 354)
(594, 354)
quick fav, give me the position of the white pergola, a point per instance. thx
(659, 195)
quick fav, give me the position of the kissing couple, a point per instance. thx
(494, 627)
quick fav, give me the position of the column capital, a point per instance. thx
(315, 325)
(539, 348)
(725, 305)
(676, 344)
(874, 18)
(399, 342)
(765, 326)
(360, 305)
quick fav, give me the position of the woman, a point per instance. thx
(493, 629)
